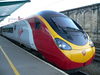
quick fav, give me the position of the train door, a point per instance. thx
(23, 33)
(37, 33)
(43, 39)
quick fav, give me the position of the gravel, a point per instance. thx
(92, 69)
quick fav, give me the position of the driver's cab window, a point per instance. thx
(37, 23)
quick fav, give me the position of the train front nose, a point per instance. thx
(82, 56)
(79, 58)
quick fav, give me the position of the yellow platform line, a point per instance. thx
(10, 63)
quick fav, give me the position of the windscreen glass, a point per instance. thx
(64, 22)
(69, 30)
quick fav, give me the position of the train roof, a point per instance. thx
(48, 14)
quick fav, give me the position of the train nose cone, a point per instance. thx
(82, 56)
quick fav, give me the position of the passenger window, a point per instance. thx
(37, 23)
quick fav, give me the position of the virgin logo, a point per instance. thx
(84, 52)
(20, 31)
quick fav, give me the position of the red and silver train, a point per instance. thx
(57, 37)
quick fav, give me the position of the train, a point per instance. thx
(58, 38)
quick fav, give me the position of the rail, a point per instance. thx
(97, 55)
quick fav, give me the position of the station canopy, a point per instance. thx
(7, 7)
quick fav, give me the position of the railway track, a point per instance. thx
(97, 55)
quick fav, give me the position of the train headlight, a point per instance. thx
(91, 43)
(62, 45)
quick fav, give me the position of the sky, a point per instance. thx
(56, 5)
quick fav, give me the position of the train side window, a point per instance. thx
(9, 30)
(37, 23)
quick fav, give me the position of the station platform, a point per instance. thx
(16, 61)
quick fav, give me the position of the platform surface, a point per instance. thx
(16, 61)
